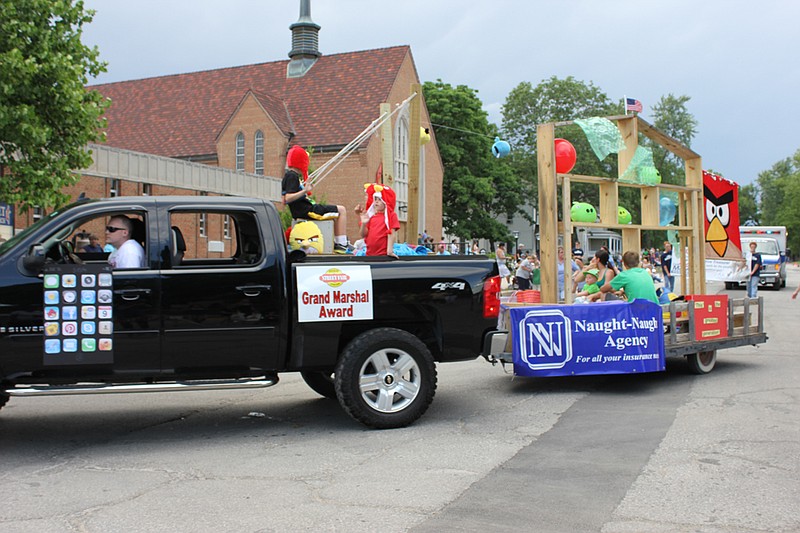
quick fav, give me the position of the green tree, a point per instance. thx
(671, 116)
(46, 114)
(556, 100)
(478, 188)
(779, 194)
(748, 203)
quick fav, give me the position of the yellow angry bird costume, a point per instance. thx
(306, 236)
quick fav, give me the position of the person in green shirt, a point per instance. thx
(636, 282)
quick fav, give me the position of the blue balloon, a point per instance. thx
(500, 148)
(667, 210)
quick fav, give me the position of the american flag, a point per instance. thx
(631, 104)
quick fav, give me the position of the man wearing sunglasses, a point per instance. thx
(128, 253)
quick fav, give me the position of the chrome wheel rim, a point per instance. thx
(389, 380)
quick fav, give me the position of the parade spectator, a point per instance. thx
(635, 282)
(500, 255)
(524, 272)
(475, 249)
(666, 266)
(754, 260)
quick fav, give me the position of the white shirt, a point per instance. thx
(129, 255)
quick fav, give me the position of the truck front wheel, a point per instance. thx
(385, 378)
(702, 362)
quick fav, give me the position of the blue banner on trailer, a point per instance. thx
(581, 340)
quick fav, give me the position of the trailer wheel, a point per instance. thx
(728, 285)
(385, 378)
(702, 362)
(3, 398)
(321, 383)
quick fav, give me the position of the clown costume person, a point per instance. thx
(296, 196)
(378, 221)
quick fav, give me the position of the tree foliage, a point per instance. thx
(778, 191)
(46, 115)
(671, 115)
(478, 188)
(556, 100)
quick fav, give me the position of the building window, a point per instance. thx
(147, 189)
(226, 227)
(240, 151)
(259, 143)
(114, 188)
(401, 140)
(201, 220)
(38, 212)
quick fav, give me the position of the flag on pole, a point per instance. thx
(631, 104)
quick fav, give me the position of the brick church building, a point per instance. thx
(245, 118)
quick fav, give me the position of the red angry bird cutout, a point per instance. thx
(721, 201)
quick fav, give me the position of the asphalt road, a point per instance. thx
(666, 452)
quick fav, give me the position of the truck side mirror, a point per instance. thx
(35, 259)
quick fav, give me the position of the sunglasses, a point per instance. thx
(112, 229)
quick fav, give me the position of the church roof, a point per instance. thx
(181, 115)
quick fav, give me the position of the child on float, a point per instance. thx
(296, 195)
(379, 222)
(591, 291)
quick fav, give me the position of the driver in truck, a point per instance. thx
(128, 252)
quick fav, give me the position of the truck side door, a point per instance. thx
(221, 292)
(136, 292)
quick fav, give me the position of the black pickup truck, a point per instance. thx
(221, 304)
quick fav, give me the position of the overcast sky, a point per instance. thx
(737, 60)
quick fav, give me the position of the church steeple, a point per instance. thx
(305, 43)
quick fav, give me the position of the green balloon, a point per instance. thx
(582, 212)
(649, 175)
(624, 216)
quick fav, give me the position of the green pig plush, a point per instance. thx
(623, 216)
(649, 176)
(582, 212)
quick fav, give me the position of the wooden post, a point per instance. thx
(387, 153)
(548, 212)
(694, 178)
(415, 108)
(566, 239)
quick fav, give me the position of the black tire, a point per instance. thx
(783, 282)
(321, 383)
(728, 285)
(385, 378)
(3, 398)
(702, 362)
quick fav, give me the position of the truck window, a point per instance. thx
(214, 239)
(86, 238)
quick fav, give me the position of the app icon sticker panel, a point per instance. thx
(76, 329)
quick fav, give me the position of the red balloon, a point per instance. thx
(565, 156)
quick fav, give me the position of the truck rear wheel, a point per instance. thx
(321, 383)
(702, 362)
(386, 378)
